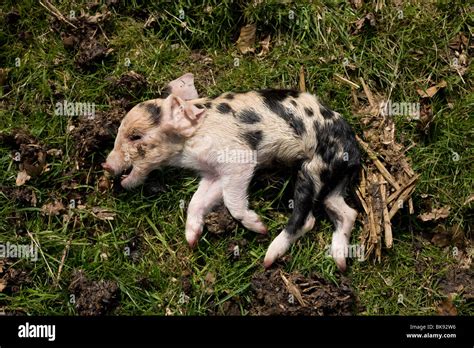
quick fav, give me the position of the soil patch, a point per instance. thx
(93, 297)
(299, 295)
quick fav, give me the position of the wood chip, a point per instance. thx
(386, 219)
(301, 84)
(397, 193)
(293, 289)
(378, 164)
(346, 81)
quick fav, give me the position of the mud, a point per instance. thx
(27, 151)
(12, 278)
(93, 134)
(86, 37)
(271, 296)
(93, 298)
(219, 220)
(129, 83)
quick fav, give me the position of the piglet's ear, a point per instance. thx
(180, 117)
(183, 87)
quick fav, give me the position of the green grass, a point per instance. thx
(396, 57)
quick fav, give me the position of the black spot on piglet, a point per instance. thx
(154, 112)
(253, 138)
(326, 112)
(309, 112)
(224, 108)
(249, 116)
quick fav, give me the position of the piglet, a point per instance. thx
(225, 139)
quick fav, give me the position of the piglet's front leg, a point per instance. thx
(208, 194)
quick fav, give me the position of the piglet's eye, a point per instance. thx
(135, 137)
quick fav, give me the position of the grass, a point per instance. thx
(396, 56)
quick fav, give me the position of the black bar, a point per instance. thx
(242, 330)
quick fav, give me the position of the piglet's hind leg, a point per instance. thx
(235, 188)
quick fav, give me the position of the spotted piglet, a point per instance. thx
(225, 139)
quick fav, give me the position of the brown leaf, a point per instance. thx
(435, 214)
(458, 42)
(447, 307)
(103, 213)
(54, 208)
(369, 18)
(357, 3)
(430, 92)
(3, 284)
(210, 278)
(22, 177)
(265, 43)
(209, 281)
(246, 40)
(104, 183)
(469, 199)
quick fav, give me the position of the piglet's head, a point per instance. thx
(150, 135)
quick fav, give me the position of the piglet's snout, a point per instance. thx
(107, 167)
(115, 164)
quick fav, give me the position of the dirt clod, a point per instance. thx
(93, 297)
(219, 220)
(96, 133)
(320, 297)
(87, 39)
(130, 82)
(27, 151)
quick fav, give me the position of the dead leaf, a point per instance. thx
(103, 213)
(3, 284)
(435, 214)
(447, 307)
(469, 199)
(55, 152)
(209, 280)
(22, 177)
(430, 92)
(265, 43)
(246, 40)
(357, 4)
(54, 208)
(293, 289)
(104, 183)
(458, 42)
(369, 18)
